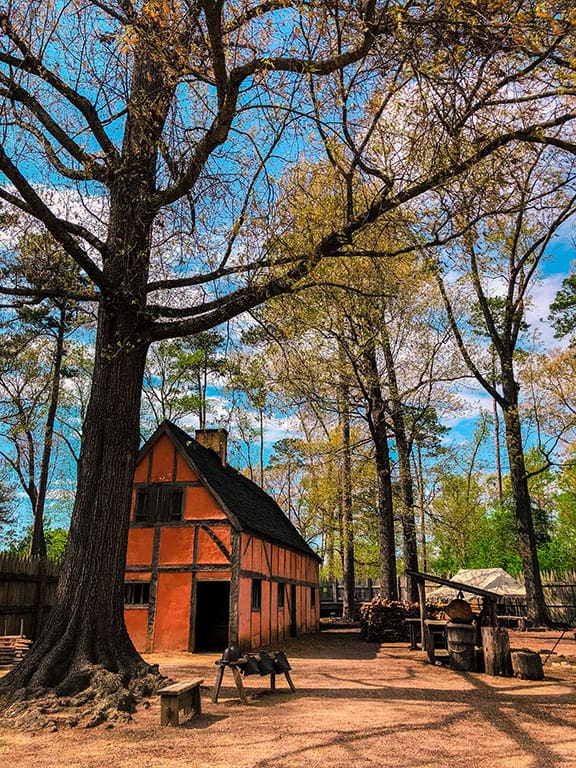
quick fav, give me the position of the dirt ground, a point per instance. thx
(356, 704)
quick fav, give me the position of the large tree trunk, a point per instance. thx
(378, 430)
(348, 569)
(388, 574)
(421, 496)
(404, 470)
(38, 541)
(536, 607)
(498, 463)
(86, 627)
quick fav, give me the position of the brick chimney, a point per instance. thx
(215, 439)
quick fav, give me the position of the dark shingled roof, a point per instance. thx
(250, 508)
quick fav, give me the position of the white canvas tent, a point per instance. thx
(494, 580)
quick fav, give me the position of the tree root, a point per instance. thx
(85, 698)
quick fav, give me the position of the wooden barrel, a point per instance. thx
(460, 640)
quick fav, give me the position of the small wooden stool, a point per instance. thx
(184, 695)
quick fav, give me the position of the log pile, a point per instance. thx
(13, 648)
(382, 621)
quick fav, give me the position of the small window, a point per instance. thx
(281, 592)
(160, 502)
(137, 593)
(313, 596)
(144, 507)
(170, 503)
(256, 594)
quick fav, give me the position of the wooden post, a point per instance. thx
(290, 683)
(490, 612)
(496, 648)
(169, 710)
(239, 683)
(218, 683)
(196, 701)
(422, 600)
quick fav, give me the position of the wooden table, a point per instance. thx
(434, 629)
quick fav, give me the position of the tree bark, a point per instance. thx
(536, 607)
(404, 470)
(38, 541)
(420, 484)
(376, 416)
(348, 575)
(86, 627)
(498, 463)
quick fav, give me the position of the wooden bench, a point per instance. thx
(513, 622)
(184, 695)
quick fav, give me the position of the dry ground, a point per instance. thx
(357, 705)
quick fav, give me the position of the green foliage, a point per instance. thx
(457, 520)
(563, 544)
(563, 308)
(177, 376)
(56, 539)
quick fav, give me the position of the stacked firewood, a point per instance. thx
(13, 648)
(383, 621)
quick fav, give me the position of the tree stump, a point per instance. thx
(527, 665)
(496, 647)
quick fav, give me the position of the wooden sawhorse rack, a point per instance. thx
(235, 666)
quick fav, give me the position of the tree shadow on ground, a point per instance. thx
(329, 644)
(493, 705)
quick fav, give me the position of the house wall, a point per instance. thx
(172, 556)
(274, 565)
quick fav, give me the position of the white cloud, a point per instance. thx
(542, 295)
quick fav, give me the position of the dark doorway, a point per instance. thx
(293, 622)
(212, 615)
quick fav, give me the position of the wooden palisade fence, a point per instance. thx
(27, 591)
(560, 596)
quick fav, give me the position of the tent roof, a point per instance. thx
(494, 580)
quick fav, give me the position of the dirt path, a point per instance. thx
(357, 704)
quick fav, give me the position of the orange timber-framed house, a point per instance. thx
(212, 559)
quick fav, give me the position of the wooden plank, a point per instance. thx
(169, 710)
(234, 615)
(239, 684)
(182, 686)
(218, 683)
(153, 568)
